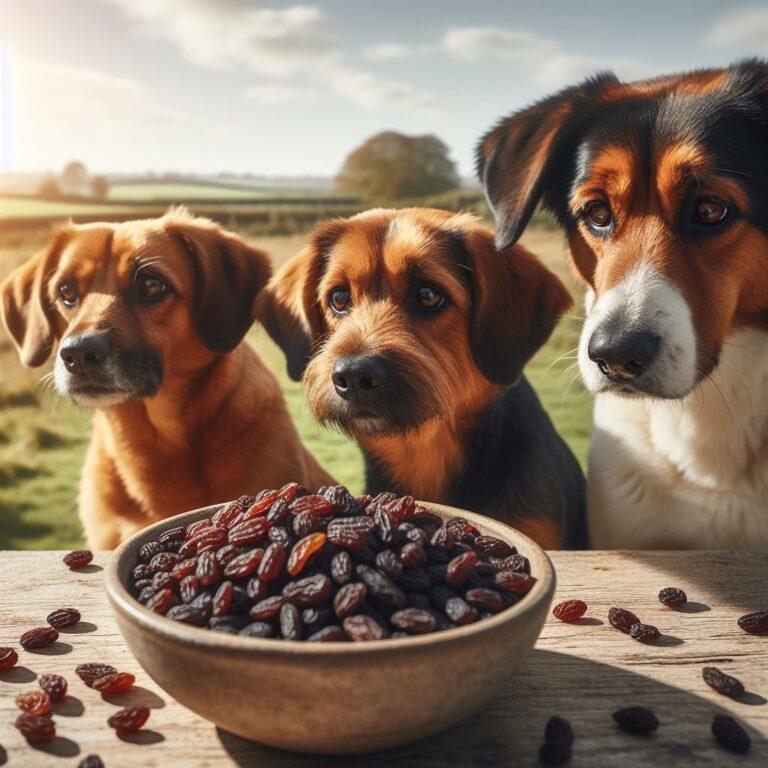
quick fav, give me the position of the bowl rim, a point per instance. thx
(123, 602)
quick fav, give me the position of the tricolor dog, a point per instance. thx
(662, 187)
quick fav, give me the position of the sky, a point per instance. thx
(289, 88)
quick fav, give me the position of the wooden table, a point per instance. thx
(582, 672)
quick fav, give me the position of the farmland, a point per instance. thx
(43, 438)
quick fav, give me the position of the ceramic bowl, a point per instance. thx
(332, 698)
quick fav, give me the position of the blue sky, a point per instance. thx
(288, 88)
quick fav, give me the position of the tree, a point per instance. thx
(392, 166)
(100, 187)
(49, 188)
(74, 176)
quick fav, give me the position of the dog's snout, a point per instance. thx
(622, 354)
(84, 354)
(359, 378)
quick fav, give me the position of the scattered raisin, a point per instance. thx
(91, 761)
(559, 729)
(755, 623)
(117, 682)
(36, 730)
(88, 673)
(673, 597)
(35, 703)
(40, 637)
(637, 720)
(722, 683)
(54, 685)
(78, 559)
(622, 619)
(644, 633)
(730, 734)
(570, 610)
(8, 659)
(128, 720)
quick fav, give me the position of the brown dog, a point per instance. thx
(410, 333)
(150, 315)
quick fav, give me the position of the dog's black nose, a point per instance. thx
(622, 354)
(84, 354)
(359, 378)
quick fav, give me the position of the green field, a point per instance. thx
(171, 191)
(43, 438)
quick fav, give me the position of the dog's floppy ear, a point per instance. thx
(527, 155)
(25, 307)
(229, 275)
(516, 303)
(288, 306)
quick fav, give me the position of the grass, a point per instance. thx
(178, 191)
(43, 438)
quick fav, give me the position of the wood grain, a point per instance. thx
(582, 672)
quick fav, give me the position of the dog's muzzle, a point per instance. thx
(622, 354)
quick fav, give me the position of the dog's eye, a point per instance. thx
(340, 300)
(597, 214)
(150, 287)
(429, 298)
(68, 294)
(709, 211)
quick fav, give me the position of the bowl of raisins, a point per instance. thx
(328, 623)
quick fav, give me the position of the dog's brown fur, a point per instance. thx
(450, 366)
(217, 426)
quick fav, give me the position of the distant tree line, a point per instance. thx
(74, 181)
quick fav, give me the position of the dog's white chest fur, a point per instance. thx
(689, 473)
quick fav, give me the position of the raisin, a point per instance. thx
(570, 610)
(163, 562)
(222, 600)
(189, 614)
(341, 568)
(278, 512)
(150, 549)
(128, 720)
(401, 509)
(317, 505)
(40, 637)
(644, 633)
(442, 539)
(269, 608)
(54, 685)
(244, 565)
(388, 561)
(460, 612)
(258, 629)
(362, 628)
(559, 729)
(257, 589)
(754, 623)
(35, 703)
(303, 550)
(260, 506)
(93, 671)
(172, 534)
(279, 535)
(330, 634)
(183, 568)
(161, 601)
(188, 588)
(290, 491)
(207, 538)
(8, 658)
(517, 562)
(722, 683)
(290, 622)
(224, 516)
(114, 683)
(622, 619)
(249, 532)
(231, 622)
(311, 590)
(350, 532)
(637, 720)
(208, 570)
(513, 582)
(317, 617)
(382, 587)
(271, 565)
(342, 500)
(459, 569)
(226, 554)
(413, 555)
(673, 597)
(305, 523)
(36, 730)
(349, 599)
(91, 761)
(554, 753)
(730, 734)
(490, 546)
(414, 621)
(199, 525)
(78, 559)
(484, 599)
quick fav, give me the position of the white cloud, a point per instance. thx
(744, 27)
(231, 33)
(545, 59)
(280, 94)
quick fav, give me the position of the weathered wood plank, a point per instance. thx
(581, 672)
